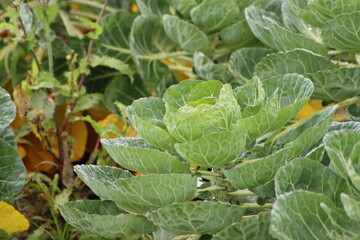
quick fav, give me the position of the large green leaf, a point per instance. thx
(146, 115)
(350, 125)
(147, 41)
(185, 6)
(176, 96)
(208, 70)
(269, 30)
(308, 134)
(214, 15)
(104, 218)
(351, 206)
(353, 111)
(153, 7)
(196, 217)
(186, 34)
(123, 90)
(250, 97)
(329, 9)
(12, 171)
(336, 85)
(257, 172)
(114, 39)
(339, 146)
(137, 194)
(293, 92)
(343, 226)
(343, 32)
(101, 179)
(238, 34)
(142, 193)
(213, 150)
(243, 61)
(253, 228)
(295, 61)
(8, 135)
(8, 109)
(306, 174)
(298, 215)
(211, 108)
(138, 156)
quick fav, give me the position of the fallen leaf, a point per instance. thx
(312, 107)
(111, 118)
(11, 220)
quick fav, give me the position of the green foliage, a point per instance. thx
(12, 170)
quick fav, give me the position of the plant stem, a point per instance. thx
(255, 206)
(212, 188)
(348, 102)
(94, 4)
(119, 49)
(83, 76)
(244, 192)
(207, 173)
(49, 48)
(164, 55)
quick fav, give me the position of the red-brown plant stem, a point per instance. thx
(83, 76)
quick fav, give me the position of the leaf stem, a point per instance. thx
(163, 55)
(244, 192)
(212, 188)
(94, 4)
(119, 49)
(255, 206)
(348, 102)
(208, 173)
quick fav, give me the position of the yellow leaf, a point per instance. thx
(111, 118)
(11, 220)
(312, 107)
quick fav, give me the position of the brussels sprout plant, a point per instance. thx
(251, 177)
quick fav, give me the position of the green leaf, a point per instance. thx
(153, 7)
(351, 125)
(146, 115)
(257, 172)
(353, 166)
(213, 15)
(185, 6)
(317, 153)
(351, 206)
(298, 215)
(238, 34)
(7, 134)
(12, 171)
(213, 150)
(196, 217)
(293, 92)
(208, 70)
(138, 156)
(103, 218)
(345, 227)
(101, 179)
(142, 193)
(253, 228)
(205, 111)
(186, 34)
(353, 111)
(147, 41)
(8, 109)
(306, 174)
(114, 40)
(339, 146)
(260, 123)
(295, 61)
(335, 85)
(242, 62)
(112, 63)
(123, 90)
(176, 96)
(343, 32)
(329, 9)
(302, 137)
(269, 30)
(137, 194)
(250, 97)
